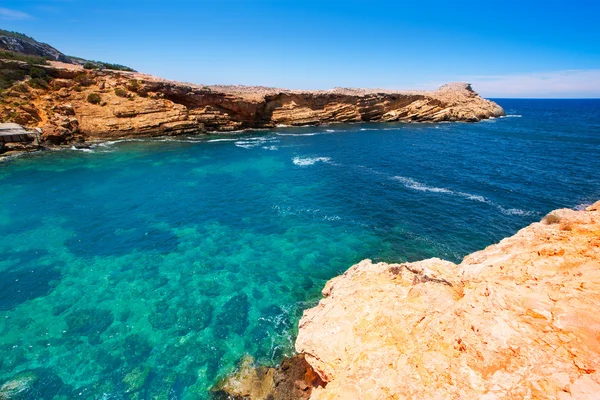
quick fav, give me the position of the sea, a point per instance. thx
(148, 268)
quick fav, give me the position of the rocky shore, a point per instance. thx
(74, 105)
(516, 320)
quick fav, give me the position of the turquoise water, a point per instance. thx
(146, 269)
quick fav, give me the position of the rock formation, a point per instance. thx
(517, 320)
(73, 105)
(293, 379)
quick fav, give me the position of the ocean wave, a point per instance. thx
(513, 116)
(582, 206)
(513, 211)
(272, 148)
(310, 160)
(380, 129)
(84, 149)
(251, 142)
(223, 140)
(412, 184)
(300, 134)
(415, 185)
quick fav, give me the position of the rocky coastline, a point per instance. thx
(74, 105)
(515, 320)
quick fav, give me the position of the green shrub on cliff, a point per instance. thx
(83, 79)
(10, 75)
(34, 60)
(94, 98)
(117, 67)
(121, 92)
(39, 78)
(104, 65)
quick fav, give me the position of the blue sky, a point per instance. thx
(527, 48)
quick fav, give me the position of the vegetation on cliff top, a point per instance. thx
(13, 55)
(17, 35)
(31, 50)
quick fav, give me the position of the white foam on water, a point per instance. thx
(299, 134)
(413, 184)
(512, 116)
(330, 130)
(223, 140)
(303, 162)
(251, 142)
(582, 206)
(380, 129)
(246, 145)
(313, 212)
(85, 150)
(272, 148)
(513, 211)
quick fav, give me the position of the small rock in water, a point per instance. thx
(19, 387)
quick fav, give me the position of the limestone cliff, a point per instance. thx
(73, 105)
(514, 321)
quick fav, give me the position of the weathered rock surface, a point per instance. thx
(517, 320)
(132, 104)
(293, 379)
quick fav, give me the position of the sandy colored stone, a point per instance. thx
(154, 106)
(293, 379)
(517, 320)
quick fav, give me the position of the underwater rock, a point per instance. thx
(234, 314)
(89, 321)
(19, 387)
(22, 283)
(137, 348)
(135, 380)
(163, 316)
(40, 383)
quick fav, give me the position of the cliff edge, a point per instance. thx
(516, 320)
(71, 104)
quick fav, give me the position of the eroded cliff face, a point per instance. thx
(517, 320)
(126, 104)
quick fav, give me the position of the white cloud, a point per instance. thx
(557, 84)
(8, 14)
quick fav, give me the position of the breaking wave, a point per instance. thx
(415, 185)
(310, 160)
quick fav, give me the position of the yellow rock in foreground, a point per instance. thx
(520, 319)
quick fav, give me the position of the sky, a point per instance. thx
(504, 48)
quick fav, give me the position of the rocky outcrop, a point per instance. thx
(514, 321)
(76, 104)
(293, 379)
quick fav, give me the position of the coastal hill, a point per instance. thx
(15, 43)
(74, 103)
(516, 320)
(23, 44)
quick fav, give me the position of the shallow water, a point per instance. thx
(151, 267)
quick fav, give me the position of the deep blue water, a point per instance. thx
(148, 268)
